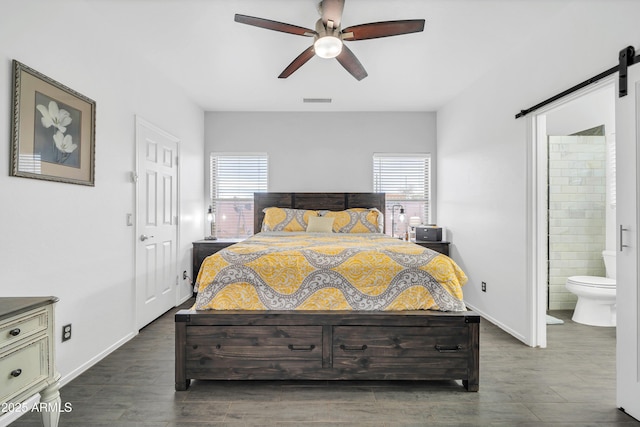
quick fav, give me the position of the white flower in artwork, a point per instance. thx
(64, 143)
(54, 116)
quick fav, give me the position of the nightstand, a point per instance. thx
(204, 248)
(27, 353)
(442, 247)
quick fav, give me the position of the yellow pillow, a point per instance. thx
(318, 224)
(285, 219)
(357, 220)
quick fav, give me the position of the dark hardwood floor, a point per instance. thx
(570, 383)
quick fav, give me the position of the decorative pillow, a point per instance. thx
(357, 220)
(285, 219)
(318, 224)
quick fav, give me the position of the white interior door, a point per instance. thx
(627, 187)
(157, 224)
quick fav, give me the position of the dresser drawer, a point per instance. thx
(427, 351)
(24, 326)
(253, 352)
(23, 367)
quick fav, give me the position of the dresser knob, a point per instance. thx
(16, 372)
(14, 332)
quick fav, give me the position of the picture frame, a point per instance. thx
(52, 129)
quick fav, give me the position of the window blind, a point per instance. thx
(238, 176)
(404, 178)
(234, 179)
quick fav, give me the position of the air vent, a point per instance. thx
(317, 100)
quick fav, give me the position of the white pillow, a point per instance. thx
(320, 224)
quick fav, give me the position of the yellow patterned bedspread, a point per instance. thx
(316, 271)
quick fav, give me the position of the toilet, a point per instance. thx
(596, 304)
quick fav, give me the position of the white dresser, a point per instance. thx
(27, 353)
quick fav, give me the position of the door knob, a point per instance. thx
(145, 237)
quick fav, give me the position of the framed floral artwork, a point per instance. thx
(53, 130)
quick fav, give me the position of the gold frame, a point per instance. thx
(53, 140)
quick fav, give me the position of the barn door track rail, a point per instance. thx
(626, 58)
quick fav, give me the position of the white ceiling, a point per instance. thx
(226, 66)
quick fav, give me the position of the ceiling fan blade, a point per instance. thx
(298, 62)
(376, 30)
(274, 25)
(332, 11)
(350, 63)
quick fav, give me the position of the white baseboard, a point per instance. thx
(185, 298)
(85, 366)
(499, 324)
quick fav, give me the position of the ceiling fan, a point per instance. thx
(329, 36)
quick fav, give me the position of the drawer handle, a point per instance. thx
(301, 347)
(16, 373)
(353, 347)
(448, 348)
(14, 332)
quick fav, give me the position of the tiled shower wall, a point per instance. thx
(577, 192)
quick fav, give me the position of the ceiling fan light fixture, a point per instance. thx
(328, 46)
(328, 36)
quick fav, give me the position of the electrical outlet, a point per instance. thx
(484, 286)
(66, 332)
(184, 275)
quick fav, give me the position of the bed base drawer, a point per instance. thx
(401, 353)
(252, 352)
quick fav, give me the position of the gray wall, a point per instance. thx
(320, 151)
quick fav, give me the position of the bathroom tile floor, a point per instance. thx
(570, 383)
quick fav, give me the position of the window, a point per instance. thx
(234, 179)
(404, 178)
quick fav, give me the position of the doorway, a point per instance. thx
(590, 108)
(627, 223)
(156, 223)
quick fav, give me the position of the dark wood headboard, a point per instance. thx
(315, 201)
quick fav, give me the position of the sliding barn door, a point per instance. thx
(628, 297)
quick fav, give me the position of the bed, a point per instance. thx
(288, 304)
